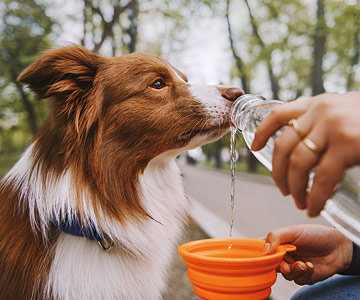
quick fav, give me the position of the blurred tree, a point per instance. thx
(266, 53)
(280, 47)
(343, 44)
(310, 46)
(24, 32)
(240, 66)
(101, 25)
(304, 48)
(239, 63)
(117, 22)
(213, 150)
(319, 43)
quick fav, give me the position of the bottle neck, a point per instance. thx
(241, 106)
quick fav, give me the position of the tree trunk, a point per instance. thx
(252, 162)
(217, 155)
(273, 80)
(32, 118)
(133, 29)
(319, 50)
(85, 20)
(108, 26)
(238, 61)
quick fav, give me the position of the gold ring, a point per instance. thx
(311, 145)
(295, 125)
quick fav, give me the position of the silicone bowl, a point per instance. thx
(229, 269)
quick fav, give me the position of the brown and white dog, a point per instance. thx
(102, 170)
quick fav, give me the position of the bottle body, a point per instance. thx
(246, 114)
(343, 209)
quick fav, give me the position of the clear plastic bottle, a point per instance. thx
(247, 113)
(343, 209)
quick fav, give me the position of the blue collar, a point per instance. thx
(75, 226)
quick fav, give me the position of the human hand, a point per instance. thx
(321, 252)
(332, 123)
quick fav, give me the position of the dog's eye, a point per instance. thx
(158, 84)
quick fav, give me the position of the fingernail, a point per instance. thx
(312, 214)
(301, 267)
(299, 205)
(266, 248)
(285, 270)
(284, 192)
(310, 265)
(253, 146)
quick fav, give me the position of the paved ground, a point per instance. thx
(179, 286)
(259, 208)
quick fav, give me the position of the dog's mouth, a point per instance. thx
(213, 131)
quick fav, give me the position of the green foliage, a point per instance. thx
(343, 29)
(210, 149)
(25, 31)
(6, 162)
(285, 28)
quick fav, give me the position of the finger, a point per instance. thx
(300, 272)
(310, 267)
(283, 148)
(276, 119)
(329, 173)
(285, 263)
(301, 162)
(297, 270)
(280, 158)
(284, 268)
(306, 277)
(302, 159)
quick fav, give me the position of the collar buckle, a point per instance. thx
(106, 243)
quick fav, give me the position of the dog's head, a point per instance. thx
(111, 116)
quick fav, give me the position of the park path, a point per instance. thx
(259, 208)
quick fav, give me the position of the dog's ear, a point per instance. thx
(66, 71)
(68, 76)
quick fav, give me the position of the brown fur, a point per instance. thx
(25, 256)
(107, 122)
(90, 101)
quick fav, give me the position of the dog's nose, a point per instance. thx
(231, 94)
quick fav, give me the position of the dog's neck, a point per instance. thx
(160, 188)
(145, 247)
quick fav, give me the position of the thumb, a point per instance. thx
(280, 236)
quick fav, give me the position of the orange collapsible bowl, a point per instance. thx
(229, 269)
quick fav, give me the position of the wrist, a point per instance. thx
(352, 267)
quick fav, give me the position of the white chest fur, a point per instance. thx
(82, 271)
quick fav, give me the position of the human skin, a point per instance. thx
(321, 252)
(332, 123)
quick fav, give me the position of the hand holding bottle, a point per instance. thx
(325, 135)
(321, 252)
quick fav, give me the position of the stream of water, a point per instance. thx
(232, 172)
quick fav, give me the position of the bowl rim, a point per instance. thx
(278, 254)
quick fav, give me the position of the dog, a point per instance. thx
(95, 205)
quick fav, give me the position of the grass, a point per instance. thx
(240, 167)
